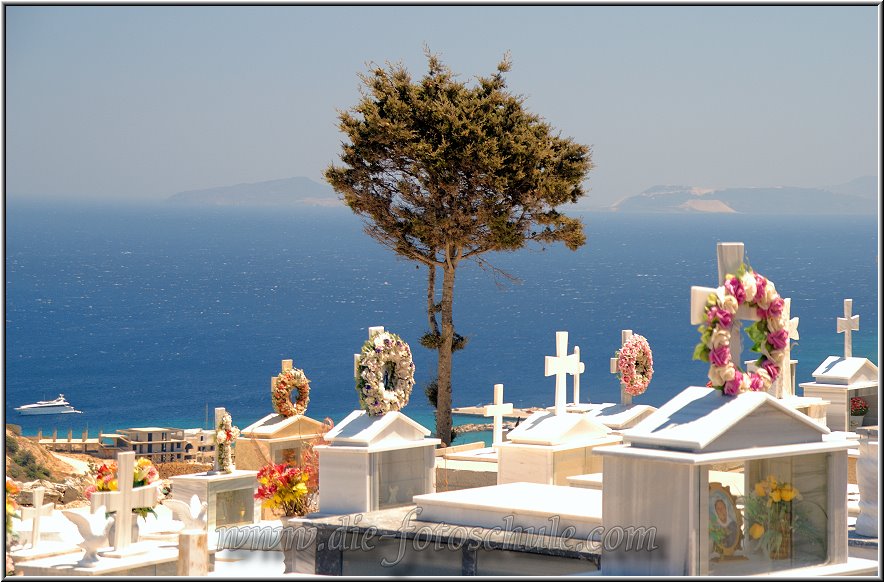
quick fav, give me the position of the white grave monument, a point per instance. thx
(867, 480)
(228, 496)
(701, 527)
(122, 502)
(276, 438)
(838, 379)
(550, 446)
(730, 257)
(374, 462)
(35, 515)
(497, 410)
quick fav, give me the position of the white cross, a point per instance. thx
(730, 257)
(35, 513)
(579, 369)
(561, 365)
(625, 397)
(497, 410)
(847, 324)
(285, 365)
(786, 386)
(125, 500)
(372, 331)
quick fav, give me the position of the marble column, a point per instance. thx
(867, 480)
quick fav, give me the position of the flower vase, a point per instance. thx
(856, 421)
(784, 551)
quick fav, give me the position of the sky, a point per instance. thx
(141, 102)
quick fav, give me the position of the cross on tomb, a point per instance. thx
(561, 365)
(35, 513)
(625, 397)
(846, 325)
(497, 410)
(579, 369)
(372, 331)
(787, 377)
(124, 500)
(730, 257)
(219, 415)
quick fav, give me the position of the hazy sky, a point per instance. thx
(143, 102)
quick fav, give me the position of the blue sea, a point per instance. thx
(152, 315)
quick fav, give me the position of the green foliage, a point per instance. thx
(437, 164)
(701, 352)
(433, 341)
(432, 392)
(24, 467)
(443, 171)
(11, 445)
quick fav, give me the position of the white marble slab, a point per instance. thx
(360, 429)
(846, 371)
(547, 428)
(701, 419)
(522, 504)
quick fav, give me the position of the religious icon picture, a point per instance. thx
(725, 523)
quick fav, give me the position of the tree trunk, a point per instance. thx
(443, 403)
(431, 300)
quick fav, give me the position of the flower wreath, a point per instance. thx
(384, 360)
(280, 394)
(770, 334)
(636, 365)
(225, 435)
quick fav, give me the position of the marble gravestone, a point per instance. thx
(229, 496)
(840, 378)
(276, 438)
(122, 502)
(680, 443)
(550, 446)
(374, 462)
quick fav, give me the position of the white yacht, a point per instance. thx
(57, 406)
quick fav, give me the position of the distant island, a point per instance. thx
(858, 196)
(298, 191)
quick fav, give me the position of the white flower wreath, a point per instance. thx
(385, 375)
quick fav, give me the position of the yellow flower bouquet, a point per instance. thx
(771, 512)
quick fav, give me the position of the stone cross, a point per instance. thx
(561, 365)
(286, 365)
(372, 331)
(787, 378)
(847, 324)
(625, 397)
(35, 513)
(730, 257)
(497, 410)
(579, 369)
(125, 500)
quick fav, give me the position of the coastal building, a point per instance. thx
(160, 445)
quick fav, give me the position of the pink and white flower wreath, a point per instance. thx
(636, 364)
(770, 334)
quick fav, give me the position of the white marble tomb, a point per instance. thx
(375, 462)
(679, 444)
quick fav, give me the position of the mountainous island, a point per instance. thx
(858, 196)
(298, 191)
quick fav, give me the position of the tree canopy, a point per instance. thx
(442, 171)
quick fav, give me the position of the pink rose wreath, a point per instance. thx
(635, 363)
(769, 334)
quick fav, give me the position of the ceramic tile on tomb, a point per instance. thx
(792, 512)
